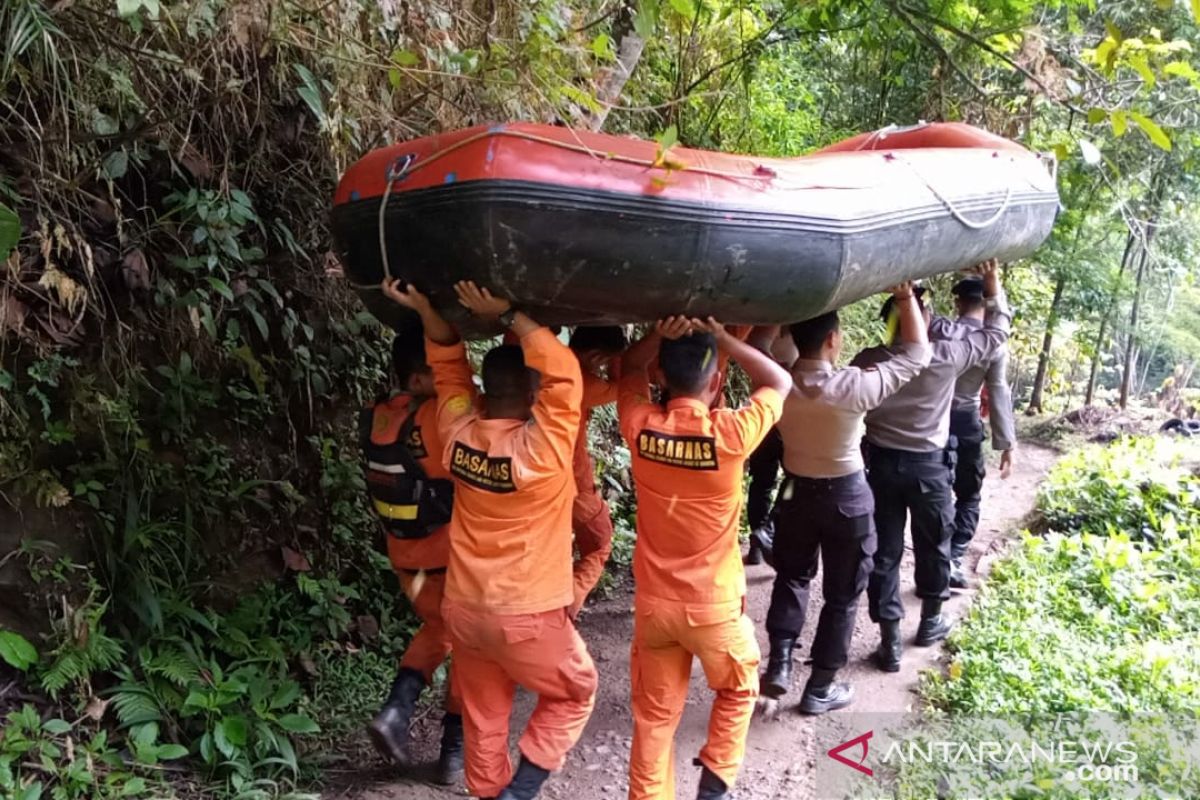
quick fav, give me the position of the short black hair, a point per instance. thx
(688, 362)
(969, 292)
(885, 313)
(810, 334)
(603, 338)
(408, 356)
(505, 373)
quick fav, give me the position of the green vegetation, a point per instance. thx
(1091, 631)
(1102, 612)
(187, 567)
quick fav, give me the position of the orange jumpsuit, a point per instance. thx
(420, 564)
(590, 517)
(509, 583)
(690, 597)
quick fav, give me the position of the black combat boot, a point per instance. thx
(754, 555)
(887, 657)
(711, 787)
(450, 760)
(778, 679)
(526, 783)
(934, 627)
(822, 693)
(389, 729)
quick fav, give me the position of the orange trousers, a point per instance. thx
(431, 643)
(666, 636)
(592, 523)
(493, 654)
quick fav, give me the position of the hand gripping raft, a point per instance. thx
(587, 228)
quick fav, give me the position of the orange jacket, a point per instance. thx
(687, 467)
(510, 533)
(433, 551)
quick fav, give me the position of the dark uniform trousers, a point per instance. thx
(764, 472)
(967, 428)
(907, 483)
(830, 517)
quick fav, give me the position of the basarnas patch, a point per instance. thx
(490, 473)
(687, 452)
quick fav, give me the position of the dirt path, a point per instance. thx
(779, 759)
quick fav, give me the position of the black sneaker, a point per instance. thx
(830, 697)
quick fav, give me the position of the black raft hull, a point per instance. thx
(588, 229)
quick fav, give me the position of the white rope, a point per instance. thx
(392, 175)
(955, 212)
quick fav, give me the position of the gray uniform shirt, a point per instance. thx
(994, 374)
(822, 419)
(917, 417)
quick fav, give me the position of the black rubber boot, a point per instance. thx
(450, 760)
(778, 678)
(822, 693)
(711, 787)
(887, 657)
(934, 627)
(526, 783)
(389, 729)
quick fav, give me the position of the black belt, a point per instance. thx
(436, 571)
(905, 455)
(839, 482)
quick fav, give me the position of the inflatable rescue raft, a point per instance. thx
(583, 227)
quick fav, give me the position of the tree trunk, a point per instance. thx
(1039, 379)
(1131, 343)
(612, 79)
(1108, 312)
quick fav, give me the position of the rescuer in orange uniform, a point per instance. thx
(509, 581)
(411, 494)
(597, 348)
(690, 599)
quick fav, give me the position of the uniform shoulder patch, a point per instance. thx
(478, 469)
(458, 404)
(685, 452)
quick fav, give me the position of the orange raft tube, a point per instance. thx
(582, 227)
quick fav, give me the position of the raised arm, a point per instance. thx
(556, 410)
(859, 389)
(982, 345)
(453, 379)
(435, 325)
(759, 367)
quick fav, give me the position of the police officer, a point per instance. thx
(825, 504)
(910, 471)
(966, 423)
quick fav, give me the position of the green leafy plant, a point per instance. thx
(16, 650)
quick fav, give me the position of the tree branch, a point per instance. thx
(932, 41)
(982, 45)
